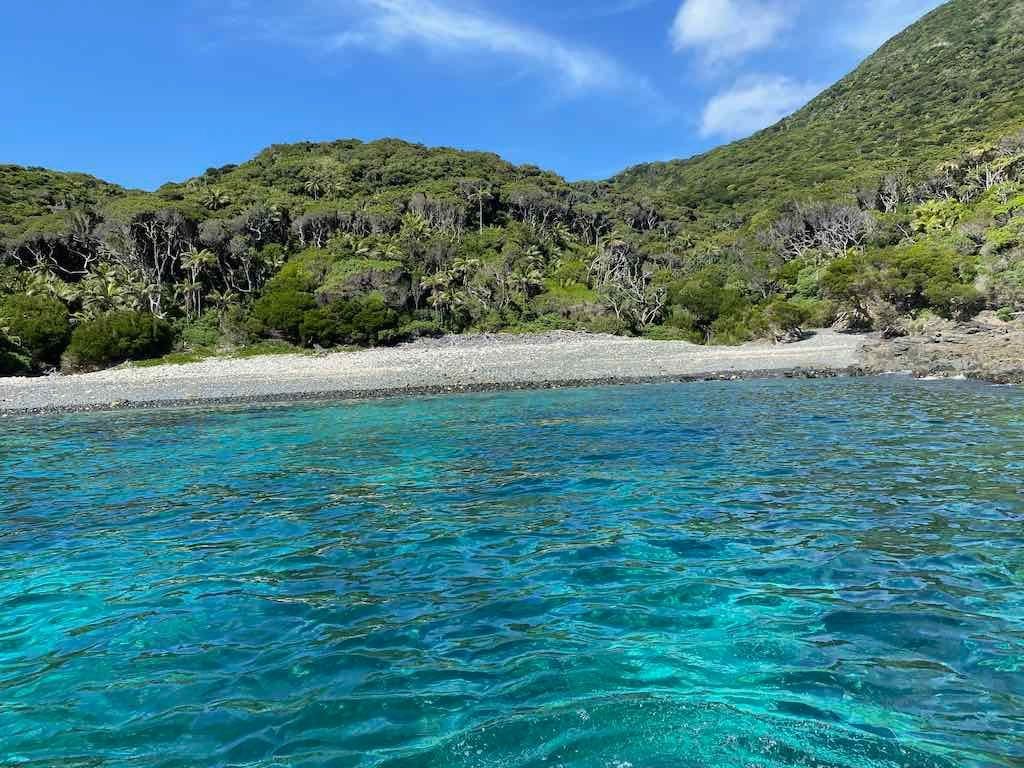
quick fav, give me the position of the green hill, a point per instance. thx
(946, 84)
(896, 193)
(28, 194)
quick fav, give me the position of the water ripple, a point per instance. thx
(722, 574)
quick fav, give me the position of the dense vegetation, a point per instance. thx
(900, 191)
(943, 86)
(115, 337)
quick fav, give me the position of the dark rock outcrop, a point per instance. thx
(394, 284)
(984, 349)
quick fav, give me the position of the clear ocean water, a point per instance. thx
(755, 574)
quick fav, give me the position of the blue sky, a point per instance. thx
(145, 92)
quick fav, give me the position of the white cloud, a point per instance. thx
(727, 29)
(421, 21)
(436, 25)
(867, 25)
(754, 103)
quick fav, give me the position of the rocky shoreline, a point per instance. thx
(381, 394)
(443, 366)
(984, 349)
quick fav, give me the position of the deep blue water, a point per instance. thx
(749, 574)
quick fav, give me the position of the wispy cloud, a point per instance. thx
(395, 22)
(754, 103)
(727, 29)
(439, 26)
(723, 30)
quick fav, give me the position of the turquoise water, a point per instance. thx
(749, 574)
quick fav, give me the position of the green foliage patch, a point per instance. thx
(117, 337)
(38, 325)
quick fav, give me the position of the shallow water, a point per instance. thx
(723, 574)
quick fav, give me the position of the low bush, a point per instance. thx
(203, 333)
(954, 300)
(738, 328)
(910, 278)
(607, 324)
(13, 362)
(115, 337)
(39, 325)
(266, 348)
(543, 324)
(820, 312)
(786, 317)
(236, 326)
(707, 305)
(670, 333)
(356, 321)
(415, 329)
(281, 309)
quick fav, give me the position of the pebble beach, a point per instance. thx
(450, 364)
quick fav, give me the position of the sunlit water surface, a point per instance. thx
(723, 574)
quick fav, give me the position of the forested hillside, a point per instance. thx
(945, 85)
(897, 193)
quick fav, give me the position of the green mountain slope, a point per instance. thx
(946, 84)
(896, 193)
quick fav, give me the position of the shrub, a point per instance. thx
(820, 312)
(954, 300)
(671, 333)
(281, 309)
(920, 276)
(203, 333)
(937, 215)
(492, 322)
(609, 324)
(13, 362)
(705, 303)
(808, 282)
(1000, 239)
(116, 337)
(415, 329)
(786, 317)
(738, 328)
(569, 273)
(265, 348)
(355, 321)
(543, 324)
(236, 326)
(40, 325)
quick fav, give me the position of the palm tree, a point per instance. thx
(42, 281)
(109, 288)
(314, 187)
(221, 300)
(318, 184)
(214, 199)
(414, 226)
(195, 262)
(443, 295)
